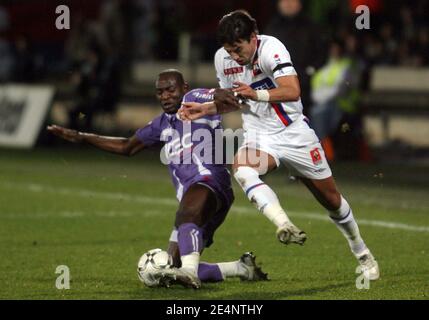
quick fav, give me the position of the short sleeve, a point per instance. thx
(200, 95)
(276, 60)
(151, 133)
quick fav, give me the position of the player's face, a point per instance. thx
(242, 51)
(169, 93)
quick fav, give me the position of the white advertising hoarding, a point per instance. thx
(23, 109)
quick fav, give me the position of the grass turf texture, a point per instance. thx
(98, 213)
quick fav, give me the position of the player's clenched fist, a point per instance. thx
(66, 134)
(245, 90)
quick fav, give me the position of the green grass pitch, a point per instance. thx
(98, 213)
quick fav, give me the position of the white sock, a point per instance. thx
(345, 221)
(231, 269)
(261, 195)
(190, 262)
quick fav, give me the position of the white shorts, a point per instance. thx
(297, 147)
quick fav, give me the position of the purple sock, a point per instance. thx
(208, 272)
(190, 238)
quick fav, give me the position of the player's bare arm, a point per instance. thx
(225, 101)
(195, 110)
(124, 146)
(288, 90)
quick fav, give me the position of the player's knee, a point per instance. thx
(245, 174)
(189, 215)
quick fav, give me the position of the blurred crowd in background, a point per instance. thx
(107, 36)
(151, 29)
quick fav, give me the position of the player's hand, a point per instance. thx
(66, 134)
(192, 111)
(245, 91)
(226, 97)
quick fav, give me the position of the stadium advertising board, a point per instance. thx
(23, 109)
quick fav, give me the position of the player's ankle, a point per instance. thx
(276, 214)
(359, 249)
(190, 270)
(190, 262)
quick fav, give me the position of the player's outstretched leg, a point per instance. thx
(266, 201)
(245, 268)
(341, 214)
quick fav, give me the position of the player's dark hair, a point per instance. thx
(235, 26)
(175, 74)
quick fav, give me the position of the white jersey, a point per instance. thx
(270, 62)
(279, 129)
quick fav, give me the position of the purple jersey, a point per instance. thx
(192, 150)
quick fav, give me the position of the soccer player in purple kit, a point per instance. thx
(203, 186)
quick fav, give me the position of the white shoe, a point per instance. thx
(179, 276)
(369, 265)
(288, 233)
(254, 272)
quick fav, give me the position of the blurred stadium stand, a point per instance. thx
(400, 95)
(147, 36)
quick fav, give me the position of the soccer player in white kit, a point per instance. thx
(260, 70)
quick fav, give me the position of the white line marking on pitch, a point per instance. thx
(170, 202)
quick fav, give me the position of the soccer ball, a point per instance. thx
(151, 263)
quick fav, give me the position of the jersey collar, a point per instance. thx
(172, 117)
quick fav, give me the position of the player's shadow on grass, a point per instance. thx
(207, 292)
(275, 295)
(212, 291)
